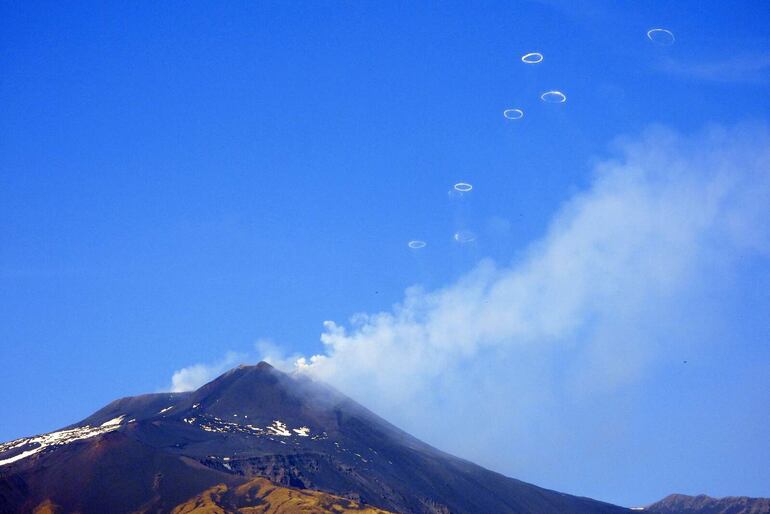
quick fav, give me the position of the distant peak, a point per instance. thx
(262, 365)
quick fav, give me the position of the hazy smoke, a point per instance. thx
(528, 368)
(616, 259)
(192, 377)
(503, 365)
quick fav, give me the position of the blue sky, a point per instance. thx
(181, 181)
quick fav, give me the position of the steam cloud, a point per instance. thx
(497, 366)
(616, 259)
(192, 377)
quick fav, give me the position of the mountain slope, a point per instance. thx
(254, 421)
(702, 504)
(260, 496)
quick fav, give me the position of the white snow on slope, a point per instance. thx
(113, 421)
(53, 439)
(279, 428)
(20, 456)
(31, 445)
(276, 428)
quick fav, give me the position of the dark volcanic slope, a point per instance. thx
(702, 504)
(152, 452)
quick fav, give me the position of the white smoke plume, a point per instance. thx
(192, 377)
(529, 368)
(616, 259)
(502, 366)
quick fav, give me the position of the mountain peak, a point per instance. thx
(246, 389)
(261, 365)
(255, 422)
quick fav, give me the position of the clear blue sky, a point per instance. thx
(181, 179)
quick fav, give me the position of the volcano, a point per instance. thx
(254, 440)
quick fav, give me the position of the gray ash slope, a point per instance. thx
(255, 421)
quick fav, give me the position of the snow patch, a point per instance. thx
(32, 445)
(114, 421)
(279, 428)
(276, 428)
(20, 456)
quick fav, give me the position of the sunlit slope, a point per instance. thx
(260, 496)
(257, 496)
